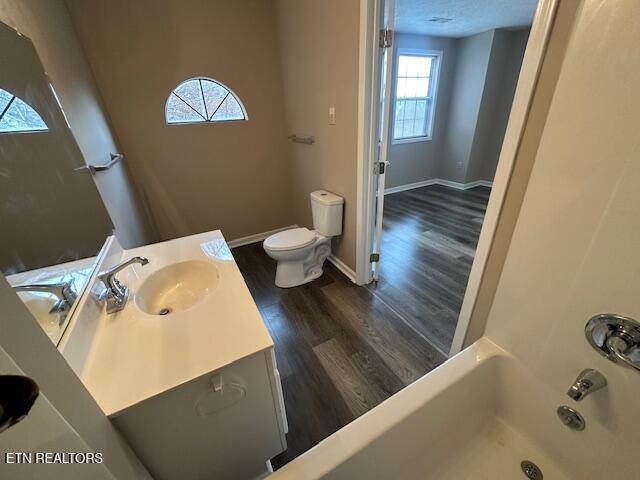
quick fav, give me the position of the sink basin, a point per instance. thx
(177, 287)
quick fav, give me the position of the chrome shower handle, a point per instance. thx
(615, 337)
(617, 346)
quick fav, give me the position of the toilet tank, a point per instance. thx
(327, 213)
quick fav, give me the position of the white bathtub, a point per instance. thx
(475, 417)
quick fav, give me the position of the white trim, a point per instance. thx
(527, 82)
(368, 86)
(435, 75)
(343, 267)
(256, 237)
(400, 141)
(438, 181)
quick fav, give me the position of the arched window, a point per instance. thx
(18, 117)
(200, 100)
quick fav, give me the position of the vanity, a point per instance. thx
(186, 369)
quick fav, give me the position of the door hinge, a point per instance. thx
(379, 167)
(374, 257)
(386, 38)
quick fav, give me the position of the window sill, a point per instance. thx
(398, 141)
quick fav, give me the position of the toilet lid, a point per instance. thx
(290, 239)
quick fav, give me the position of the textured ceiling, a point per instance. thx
(468, 16)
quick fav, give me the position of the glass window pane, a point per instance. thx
(422, 87)
(413, 69)
(191, 93)
(20, 117)
(202, 100)
(213, 95)
(229, 110)
(410, 109)
(403, 62)
(421, 109)
(180, 112)
(411, 88)
(397, 129)
(401, 88)
(400, 109)
(5, 98)
(408, 129)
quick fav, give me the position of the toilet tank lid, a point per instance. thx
(326, 198)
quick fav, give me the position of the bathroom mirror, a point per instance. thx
(52, 218)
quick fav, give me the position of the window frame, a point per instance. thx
(435, 81)
(211, 121)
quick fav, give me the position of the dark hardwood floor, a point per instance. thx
(428, 244)
(340, 349)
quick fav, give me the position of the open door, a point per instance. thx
(381, 163)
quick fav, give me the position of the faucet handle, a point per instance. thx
(615, 337)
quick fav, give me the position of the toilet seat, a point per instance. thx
(290, 239)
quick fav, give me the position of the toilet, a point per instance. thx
(300, 252)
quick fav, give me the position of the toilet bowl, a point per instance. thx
(301, 252)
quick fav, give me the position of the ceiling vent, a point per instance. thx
(440, 19)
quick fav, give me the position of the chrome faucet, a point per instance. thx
(116, 294)
(63, 291)
(588, 381)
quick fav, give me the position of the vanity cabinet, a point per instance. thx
(223, 425)
(194, 390)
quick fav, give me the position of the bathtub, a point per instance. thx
(478, 416)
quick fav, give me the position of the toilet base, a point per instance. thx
(301, 267)
(289, 274)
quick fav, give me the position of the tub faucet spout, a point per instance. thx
(588, 381)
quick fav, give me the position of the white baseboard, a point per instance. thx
(410, 186)
(439, 181)
(256, 237)
(464, 186)
(343, 267)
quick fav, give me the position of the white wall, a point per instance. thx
(418, 161)
(575, 249)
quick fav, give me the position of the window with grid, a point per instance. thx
(416, 83)
(203, 100)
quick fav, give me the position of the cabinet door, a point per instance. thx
(205, 429)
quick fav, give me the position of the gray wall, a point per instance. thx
(48, 25)
(466, 97)
(234, 175)
(319, 52)
(507, 51)
(418, 161)
(475, 92)
(49, 212)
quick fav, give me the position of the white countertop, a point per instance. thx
(134, 355)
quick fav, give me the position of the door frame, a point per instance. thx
(368, 111)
